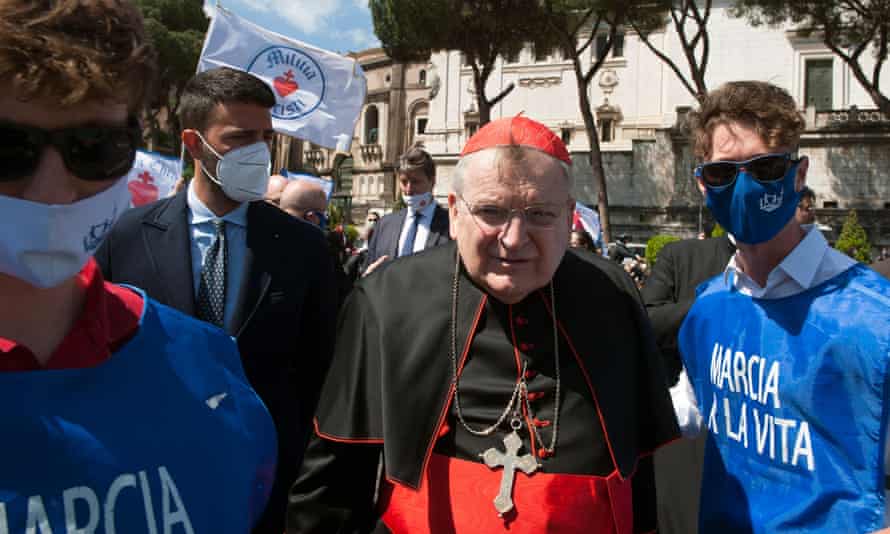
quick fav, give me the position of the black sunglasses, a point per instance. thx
(765, 169)
(91, 152)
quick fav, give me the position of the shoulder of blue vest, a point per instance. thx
(181, 328)
(718, 282)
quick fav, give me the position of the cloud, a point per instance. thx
(359, 38)
(309, 17)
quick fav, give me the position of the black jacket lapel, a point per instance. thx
(168, 243)
(438, 227)
(393, 246)
(256, 280)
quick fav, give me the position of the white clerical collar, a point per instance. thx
(200, 213)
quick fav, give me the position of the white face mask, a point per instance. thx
(46, 244)
(242, 173)
(418, 202)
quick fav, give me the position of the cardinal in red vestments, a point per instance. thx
(499, 383)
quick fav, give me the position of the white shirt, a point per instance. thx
(423, 227)
(202, 234)
(809, 264)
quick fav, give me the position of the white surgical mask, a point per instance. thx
(46, 244)
(242, 173)
(418, 202)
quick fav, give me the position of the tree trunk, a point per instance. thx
(594, 157)
(480, 78)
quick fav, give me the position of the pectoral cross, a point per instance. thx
(510, 461)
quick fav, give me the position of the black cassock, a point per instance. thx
(389, 454)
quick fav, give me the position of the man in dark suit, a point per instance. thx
(668, 295)
(423, 224)
(220, 253)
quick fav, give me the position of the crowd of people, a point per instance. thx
(219, 361)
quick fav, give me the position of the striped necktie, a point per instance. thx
(212, 287)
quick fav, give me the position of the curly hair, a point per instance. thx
(73, 51)
(768, 110)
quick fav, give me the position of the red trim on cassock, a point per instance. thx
(444, 414)
(329, 437)
(456, 496)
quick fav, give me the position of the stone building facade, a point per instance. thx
(639, 103)
(394, 116)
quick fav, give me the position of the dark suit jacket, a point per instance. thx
(668, 295)
(385, 240)
(882, 267)
(284, 322)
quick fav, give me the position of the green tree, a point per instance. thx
(482, 30)
(177, 29)
(654, 246)
(846, 27)
(853, 241)
(575, 27)
(689, 20)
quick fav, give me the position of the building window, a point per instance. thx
(602, 41)
(421, 78)
(566, 136)
(829, 204)
(512, 58)
(472, 128)
(421, 126)
(607, 130)
(372, 125)
(818, 83)
(541, 55)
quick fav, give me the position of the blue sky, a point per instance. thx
(336, 25)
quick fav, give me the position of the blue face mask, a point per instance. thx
(754, 212)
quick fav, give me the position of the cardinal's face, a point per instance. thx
(511, 221)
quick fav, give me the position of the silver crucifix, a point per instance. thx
(510, 461)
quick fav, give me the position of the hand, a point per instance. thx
(882, 531)
(377, 263)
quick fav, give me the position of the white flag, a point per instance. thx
(319, 94)
(152, 177)
(590, 220)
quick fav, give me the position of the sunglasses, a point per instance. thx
(765, 169)
(90, 152)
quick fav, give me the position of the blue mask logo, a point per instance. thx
(770, 203)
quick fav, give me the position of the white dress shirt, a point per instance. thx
(423, 227)
(809, 264)
(202, 234)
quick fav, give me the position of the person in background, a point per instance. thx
(218, 251)
(121, 413)
(806, 207)
(422, 224)
(787, 352)
(580, 239)
(359, 255)
(307, 201)
(668, 294)
(276, 186)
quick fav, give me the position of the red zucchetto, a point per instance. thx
(518, 131)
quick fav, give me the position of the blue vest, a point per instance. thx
(793, 392)
(165, 437)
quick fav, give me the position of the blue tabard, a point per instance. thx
(793, 392)
(165, 437)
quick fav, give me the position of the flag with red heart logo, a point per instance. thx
(319, 94)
